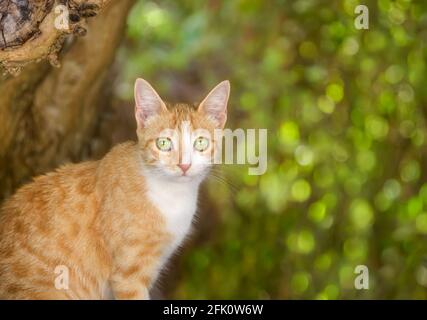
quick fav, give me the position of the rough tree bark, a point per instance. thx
(49, 115)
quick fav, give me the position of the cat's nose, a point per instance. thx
(184, 167)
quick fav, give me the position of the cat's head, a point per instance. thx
(178, 141)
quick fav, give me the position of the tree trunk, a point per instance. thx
(50, 115)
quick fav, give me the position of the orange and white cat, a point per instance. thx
(106, 228)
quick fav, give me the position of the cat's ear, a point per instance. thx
(147, 102)
(215, 103)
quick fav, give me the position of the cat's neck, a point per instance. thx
(176, 202)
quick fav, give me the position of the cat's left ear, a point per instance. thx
(215, 103)
(147, 102)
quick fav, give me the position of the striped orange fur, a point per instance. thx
(113, 223)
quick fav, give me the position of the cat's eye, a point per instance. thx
(201, 144)
(164, 144)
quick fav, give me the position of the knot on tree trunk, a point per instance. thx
(31, 30)
(20, 20)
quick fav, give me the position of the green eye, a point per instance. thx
(164, 144)
(201, 144)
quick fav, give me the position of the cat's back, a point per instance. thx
(52, 192)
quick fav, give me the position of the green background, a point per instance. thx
(346, 114)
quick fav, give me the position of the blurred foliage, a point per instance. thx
(346, 113)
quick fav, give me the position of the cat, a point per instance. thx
(104, 229)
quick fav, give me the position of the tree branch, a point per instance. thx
(33, 30)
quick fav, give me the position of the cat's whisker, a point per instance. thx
(216, 176)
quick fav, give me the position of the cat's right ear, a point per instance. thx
(147, 102)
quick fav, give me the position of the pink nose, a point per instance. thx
(184, 167)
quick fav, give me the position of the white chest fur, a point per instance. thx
(177, 202)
